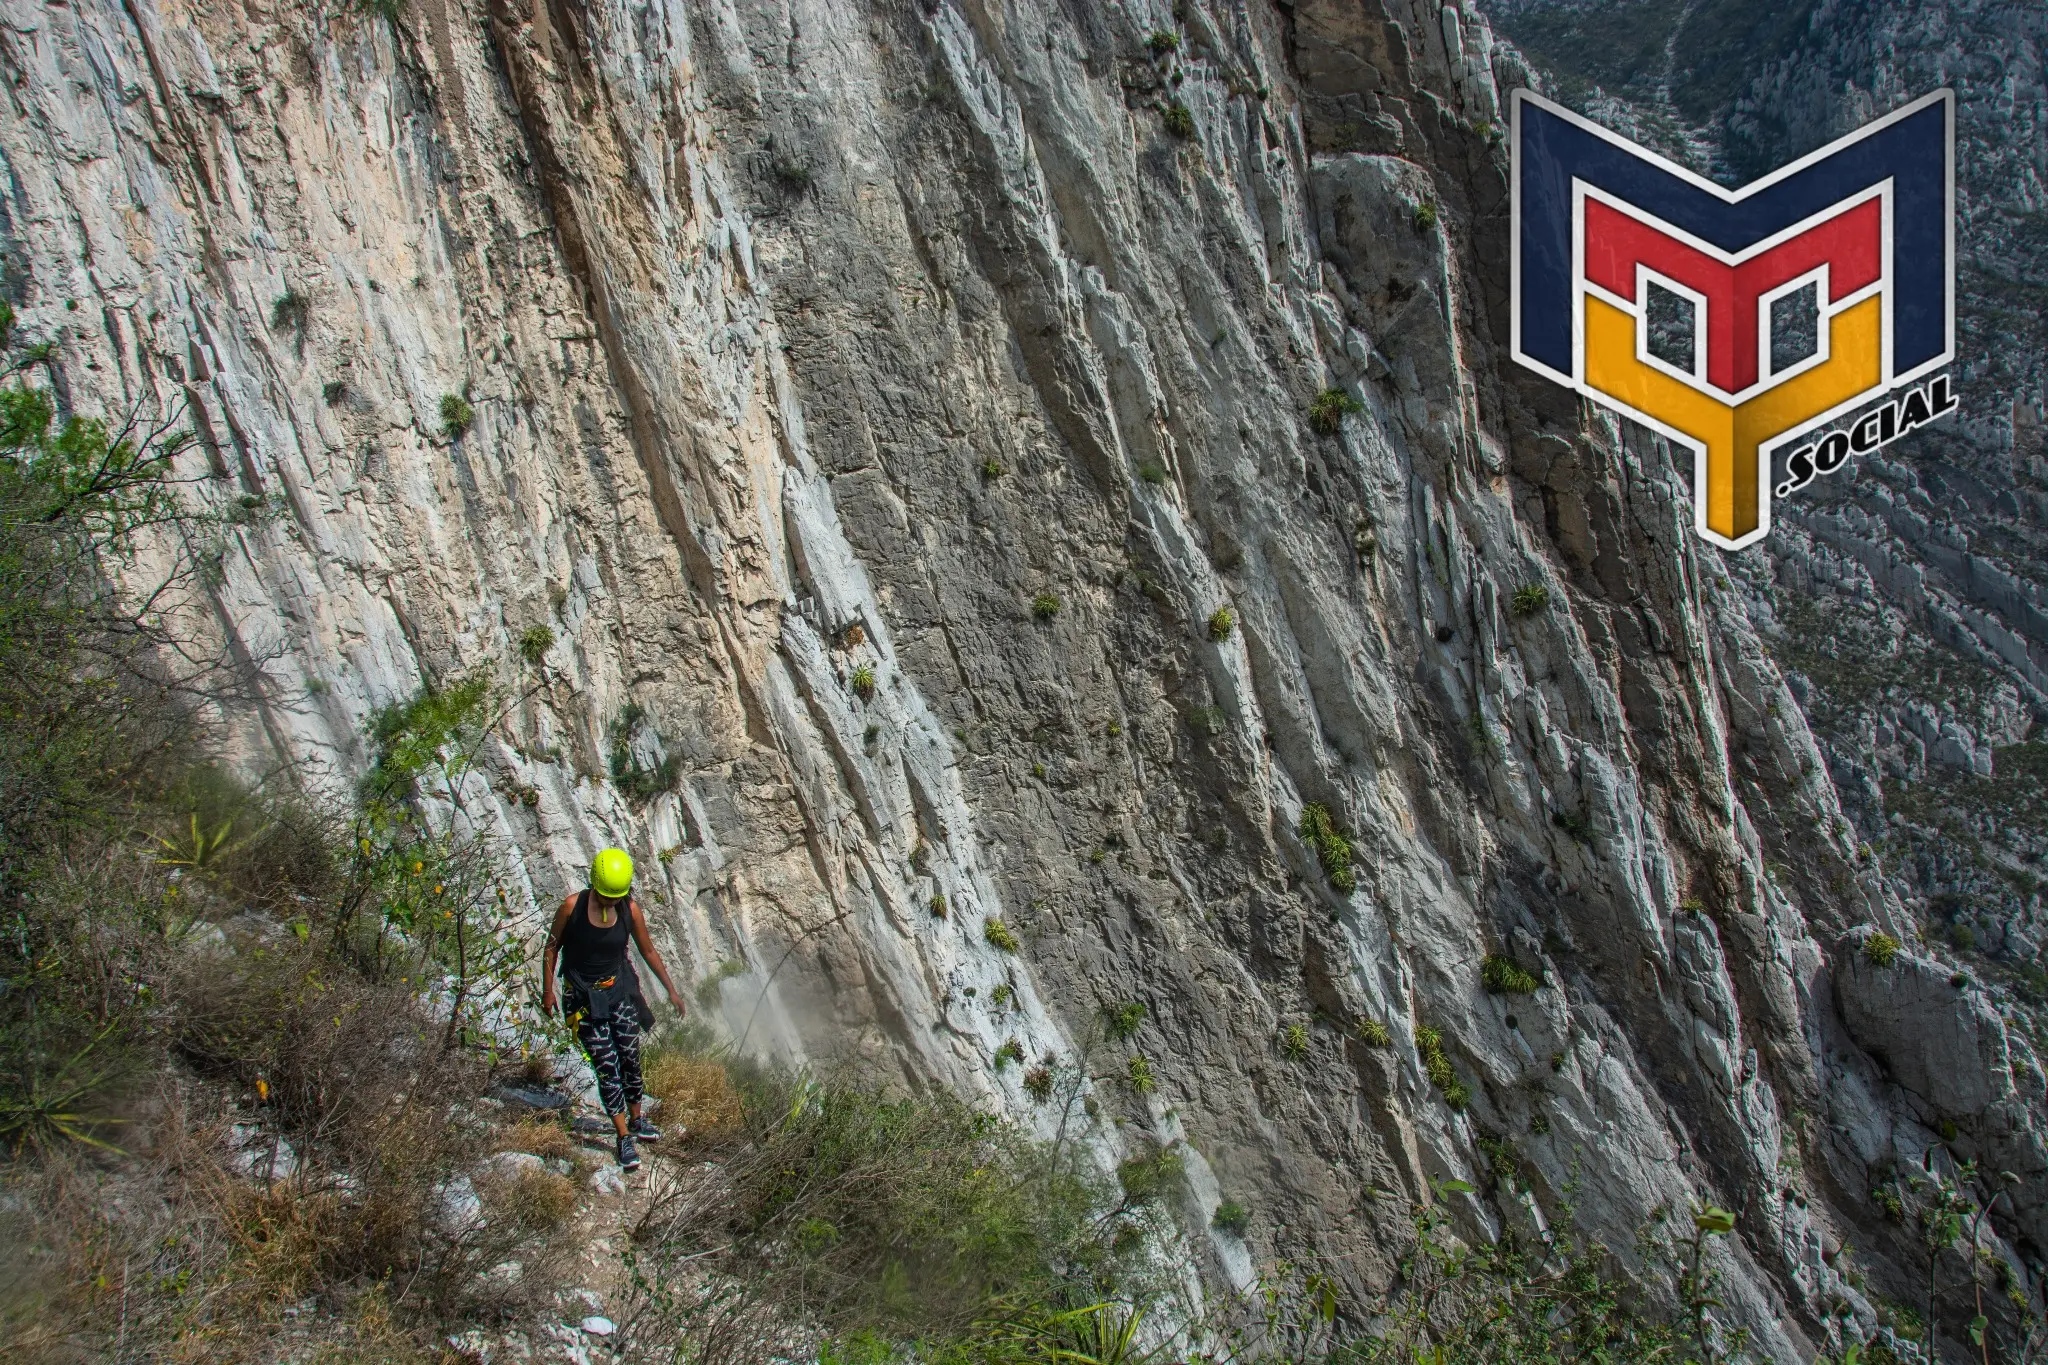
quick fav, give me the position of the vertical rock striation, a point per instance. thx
(878, 404)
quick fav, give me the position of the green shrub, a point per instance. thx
(1327, 413)
(1222, 622)
(1122, 1019)
(456, 415)
(1502, 976)
(1152, 472)
(1010, 1051)
(1880, 949)
(534, 644)
(999, 935)
(1163, 42)
(1179, 120)
(1038, 1083)
(862, 681)
(1139, 1072)
(1425, 215)
(1529, 599)
(333, 391)
(1231, 1218)
(992, 468)
(120, 843)
(1294, 1042)
(938, 905)
(929, 1221)
(1205, 722)
(1045, 606)
(1373, 1033)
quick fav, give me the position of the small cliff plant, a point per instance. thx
(635, 777)
(1332, 847)
(1529, 599)
(456, 415)
(710, 989)
(290, 311)
(1436, 1065)
(1501, 975)
(1880, 949)
(1327, 413)
(1231, 1218)
(1222, 622)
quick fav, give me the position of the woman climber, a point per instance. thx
(603, 1001)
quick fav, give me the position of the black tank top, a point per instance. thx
(590, 953)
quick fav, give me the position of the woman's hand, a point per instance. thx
(676, 1000)
(547, 1000)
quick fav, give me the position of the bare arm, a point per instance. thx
(653, 956)
(553, 951)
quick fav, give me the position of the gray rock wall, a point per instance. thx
(804, 338)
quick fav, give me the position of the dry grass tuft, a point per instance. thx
(282, 1236)
(541, 1137)
(539, 1201)
(695, 1095)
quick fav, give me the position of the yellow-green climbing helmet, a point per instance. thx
(612, 873)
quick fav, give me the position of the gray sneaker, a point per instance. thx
(643, 1130)
(629, 1157)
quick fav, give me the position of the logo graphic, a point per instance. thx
(1811, 292)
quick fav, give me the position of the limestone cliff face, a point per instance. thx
(882, 402)
(1903, 597)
